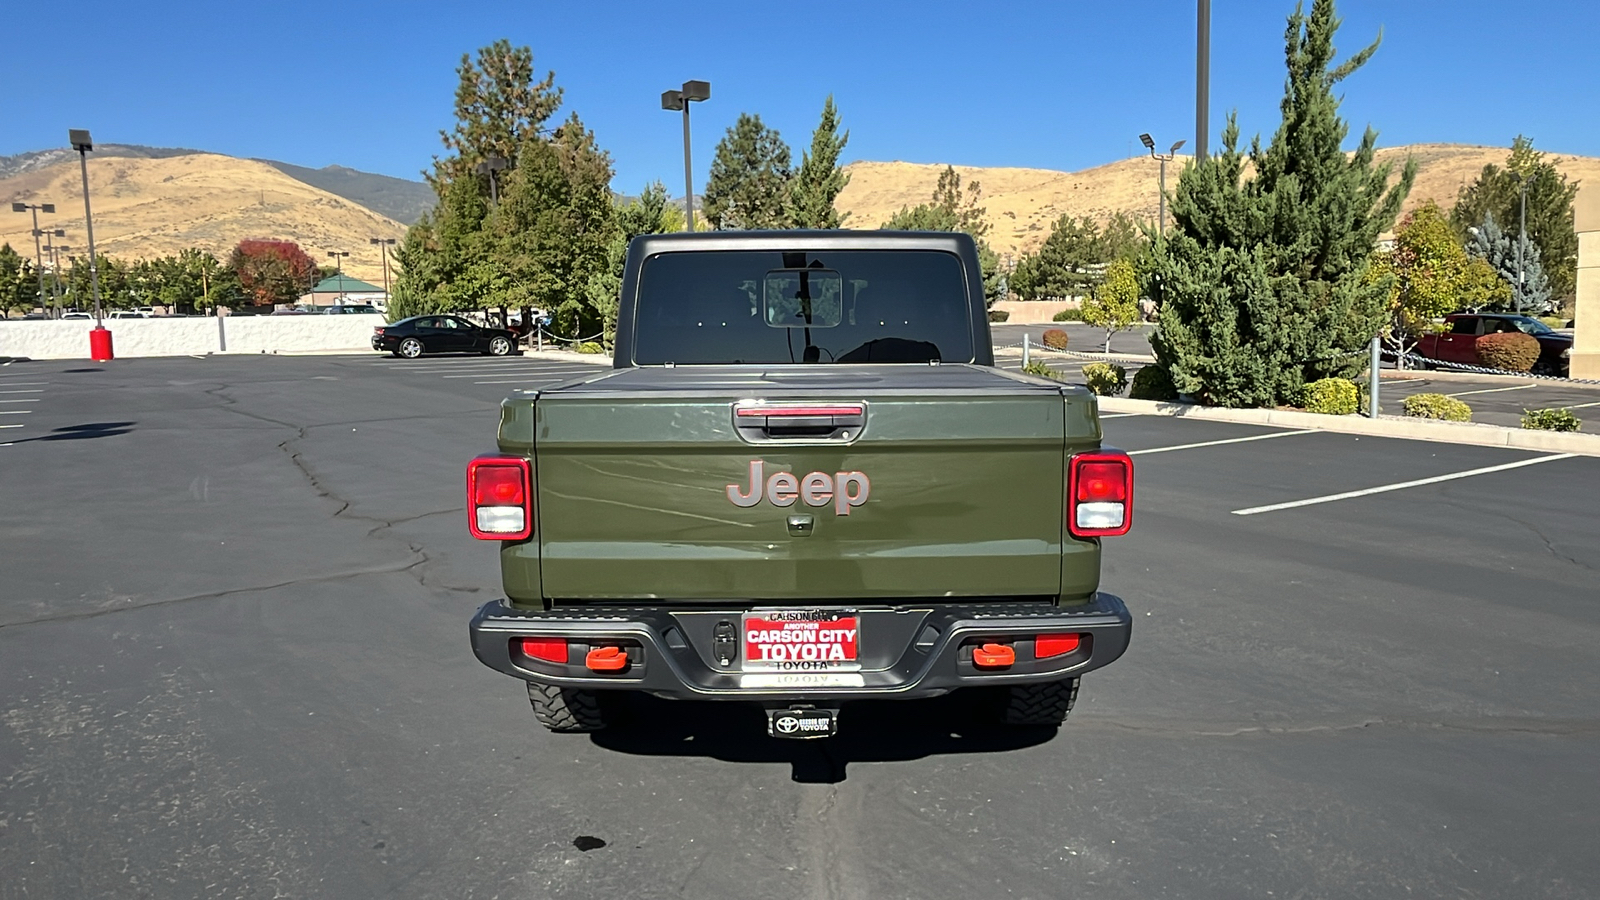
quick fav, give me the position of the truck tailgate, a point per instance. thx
(949, 484)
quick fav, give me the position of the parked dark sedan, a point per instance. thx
(417, 335)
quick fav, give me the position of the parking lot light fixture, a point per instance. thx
(383, 245)
(99, 338)
(38, 251)
(492, 164)
(692, 91)
(338, 269)
(1150, 144)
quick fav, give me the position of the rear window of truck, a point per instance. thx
(771, 308)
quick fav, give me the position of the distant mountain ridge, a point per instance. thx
(396, 198)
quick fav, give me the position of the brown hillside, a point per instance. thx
(153, 207)
(1022, 203)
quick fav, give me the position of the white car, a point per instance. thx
(76, 315)
(129, 314)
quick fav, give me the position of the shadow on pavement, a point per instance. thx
(86, 432)
(869, 731)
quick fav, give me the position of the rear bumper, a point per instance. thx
(907, 651)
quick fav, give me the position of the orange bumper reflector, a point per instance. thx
(993, 656)
(1048, 645)
(606, 659)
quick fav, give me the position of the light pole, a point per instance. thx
(494, 163)
(338, 269)
(1150, 144)
(38, 253)
(383, 245)
(680, 100)
(51, 247)
(1202, 78)
(99, 338)
(1522, 235)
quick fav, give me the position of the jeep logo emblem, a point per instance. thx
(845, 490)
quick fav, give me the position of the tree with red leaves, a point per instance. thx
(271, 272)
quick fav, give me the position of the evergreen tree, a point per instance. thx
(1497, 192)
(962, 204)
(1263, 285)
(1500, 250)
(498, 107)
(749, 183)
(1072, 259)
(942, 217)
(1428, 275)
(650, 213)
(819, 179)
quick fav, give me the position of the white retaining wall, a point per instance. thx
(1033, 312)
(182, 337)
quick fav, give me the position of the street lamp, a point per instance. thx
(38, 253)
(99, 338)
(383, 245)
(494, 163)
(1150, 144)
(1202, 79)
(55, 267)
(338, 269)
(676, 100)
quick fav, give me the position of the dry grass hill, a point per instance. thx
(152, 207)
(1022, 203)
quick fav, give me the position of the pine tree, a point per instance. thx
(819, 180)
(1530, 293)
(1262, 286)
(498, 107)
(1497, 193)
(749, 183)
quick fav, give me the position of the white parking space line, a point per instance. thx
(1520, 387)
(25, 400)
(550, 372)
(28, 391)
(1385, 488)
(526, 379)
(1582, 405)
(23, 383)
(1237, 440)
(10, 426)
(14, 412)
(1118, 415)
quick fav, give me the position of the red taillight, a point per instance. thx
(500, 498)
(377, 331)
(546, 648)
(1100, 494)
(1048, 645)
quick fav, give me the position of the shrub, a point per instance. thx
(1514, 352)
(1105, 379)
(1550, 420)
(1437, 406)
(589, 347)
(1055, 339)
(1068, 315)
(1152, 382)
(1041, 370)
(1332, 396)
(998, 315)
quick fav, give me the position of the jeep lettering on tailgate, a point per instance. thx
(846, 490)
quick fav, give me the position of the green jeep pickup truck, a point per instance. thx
(803, 482)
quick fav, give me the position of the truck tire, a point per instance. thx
(566, 710)
(1045, 703)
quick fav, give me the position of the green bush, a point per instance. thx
(1041, 370)
(1152, 382)
(998, 315)
(589, 347)
(1055, 339)
(1437, 406)
(1332, 396)
(1550, 420)
(1068, 315)
(1512, 352)
(1105, 379)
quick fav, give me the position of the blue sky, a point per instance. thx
(1063, 85)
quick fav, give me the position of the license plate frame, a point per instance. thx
(800, 647)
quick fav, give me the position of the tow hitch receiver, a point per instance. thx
(802, 723)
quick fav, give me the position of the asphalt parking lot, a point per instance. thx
(234, 660)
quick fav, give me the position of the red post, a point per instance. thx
(100, 344)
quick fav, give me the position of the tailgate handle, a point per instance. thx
(758, 422)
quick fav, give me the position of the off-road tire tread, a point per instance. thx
(1045, 703)
(566, 710)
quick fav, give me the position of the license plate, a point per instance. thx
(794, 642)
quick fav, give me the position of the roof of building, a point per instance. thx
(344, 284)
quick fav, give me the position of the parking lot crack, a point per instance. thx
(1549, 545)
(406, 567)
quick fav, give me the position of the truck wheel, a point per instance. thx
(566, 709)
(1046, 703)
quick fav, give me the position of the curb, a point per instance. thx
(1385, 426)
(1468, 377)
